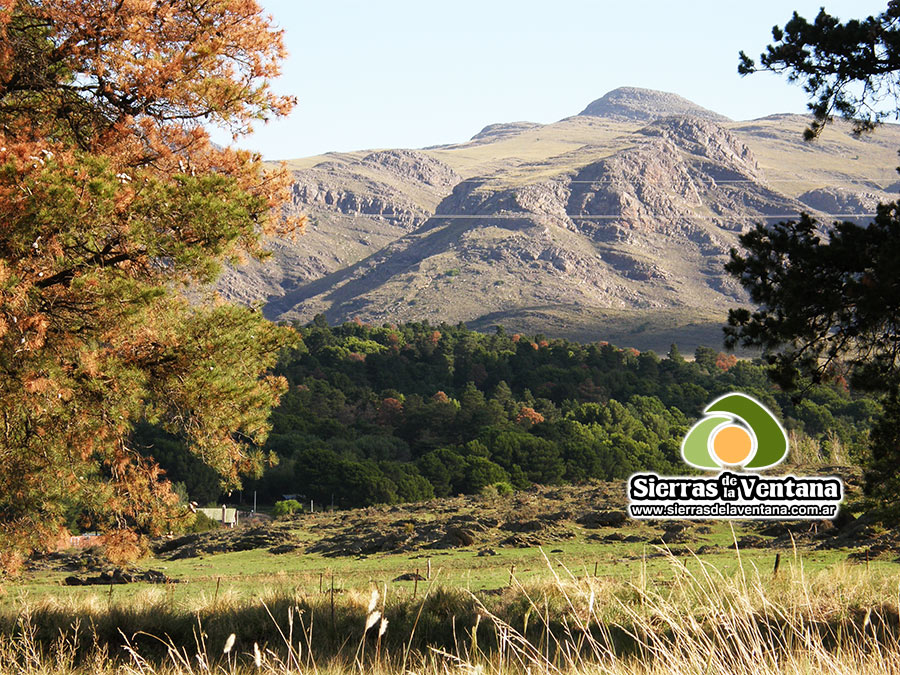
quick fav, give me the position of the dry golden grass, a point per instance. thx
(696, 620)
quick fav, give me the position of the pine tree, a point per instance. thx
(112, 199)
(831, 304)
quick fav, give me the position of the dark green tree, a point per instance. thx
(705, 357)
(829, 304)
(822, 299)
(847, 68)
(882, 477)
(674, 354)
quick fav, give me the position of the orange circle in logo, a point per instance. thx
(732, 444)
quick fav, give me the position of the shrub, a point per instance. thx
(201, 523)
(285, 508)
(488, 492)
(503, 488)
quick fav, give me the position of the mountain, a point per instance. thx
(613, 224)
(632, 104)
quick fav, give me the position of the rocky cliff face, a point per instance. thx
(617, 230)
(354, 208)
(843, 203)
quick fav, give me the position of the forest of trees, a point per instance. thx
(402, 413)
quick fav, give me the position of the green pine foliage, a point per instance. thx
(380, 415)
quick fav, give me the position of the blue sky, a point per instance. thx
(411, 74)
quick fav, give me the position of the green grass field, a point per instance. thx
(254, 573)
(579, 602)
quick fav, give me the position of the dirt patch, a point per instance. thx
(529, 518)
(539, 516)
(118, 576)
(523, 526)
(455, 537)
(521, 541)
(275, 538)
(604, 519)
(410, 576)
(88, 560)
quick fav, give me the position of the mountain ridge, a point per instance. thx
(591, 227)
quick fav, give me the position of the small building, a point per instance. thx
(227, 516)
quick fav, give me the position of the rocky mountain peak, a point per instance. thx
(633, 104)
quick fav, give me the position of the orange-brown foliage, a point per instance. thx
(11, 562)
(123, 545)
(529, 416)
(725, 361)
(390, 411)
(111, 194)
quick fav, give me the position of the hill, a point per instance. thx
(613, 223)
(632, 104)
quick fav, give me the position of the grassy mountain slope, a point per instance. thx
(611, 224)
